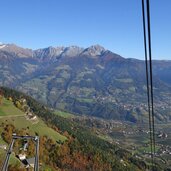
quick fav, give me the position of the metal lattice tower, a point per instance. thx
(15, 137)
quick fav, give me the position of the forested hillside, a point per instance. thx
(80, 149)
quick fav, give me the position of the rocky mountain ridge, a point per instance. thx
(70, 51)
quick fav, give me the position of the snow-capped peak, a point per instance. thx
(2, 45)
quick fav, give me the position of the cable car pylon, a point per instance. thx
(10, 149)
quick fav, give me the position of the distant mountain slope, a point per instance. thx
(92, 81)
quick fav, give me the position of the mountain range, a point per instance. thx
(92, 81)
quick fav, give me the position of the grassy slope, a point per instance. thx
(10, 114)
(63, 114)
(8, 109)
(18, 119)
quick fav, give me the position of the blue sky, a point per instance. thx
(114, 24)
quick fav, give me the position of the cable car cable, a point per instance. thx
(147, 78)
(151, 71)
